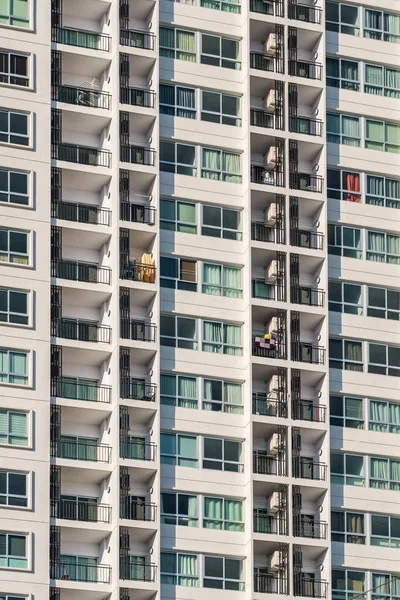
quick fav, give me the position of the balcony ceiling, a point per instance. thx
(78, 122)
(93, 10)
(84, 181)
(88, 67)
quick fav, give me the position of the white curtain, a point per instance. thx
(233, 337)
(232, 282)
(212, 281)
(379, 477)
(378, 415)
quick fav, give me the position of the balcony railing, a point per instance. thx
(305, 125)
(262, 176)
(86, 450)
(68, 569)
(264, 464)
(260, 61)
(135, 449)
(83, 331)
(138, 155)
(82, 38)
(83, 155)
(271, 349)
(308, 353)
(133, 569)
(265, 291)
(79, 510)
(307, 296)
(266, 523)
(137, 213)
(311, 588)
(136, 389)
(76, 389)
(81, 96)
(135, 271)
(133, 509)
(260, 118)
(306, 410)
(302, 12)
(305, 68)
(76, 270)
(305, 468)
(307, 239)
(267, 406)
(138, 330)
(311, 529)
(137, 39)
(307, 182)
(266, 582)
(81, 213)
(262, 233)
(137, 97)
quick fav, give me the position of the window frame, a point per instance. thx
(222, 175)
(177, 397)
(176, 108)
(223, 579)
(224, 346)
(7, 313)
(348, 592)
(223, 61)
(384, 88)
(9, 193)
(352, 309)
(222, 461)
(179, 283)
(179, 577)
(342, 137)
(220, 114)
(343, 82)
(10, 141)
(391, 484)
(342, 192)
(177, 166)
(346, 478)
(379, 32)
(221, 287)
(382, 309)
(9, 556)
(391, 540)
(236, 232)
(224, 522)
(9, 374)
(346, 362)
(7, 494)
(177, 457)
(341, 25)
(347, 536)
(180, 340)
(10, 75)
(176, 50)
(14, 254)
(177, 223)
(384, 143)
(345, 251)
(386, 200)
(180, 519)
(10, 17)
(223, 403)
(387, 256)
(386, 367)
(345, 419)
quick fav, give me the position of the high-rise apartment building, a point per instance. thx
(200, 249)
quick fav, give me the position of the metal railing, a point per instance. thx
(135, 449)
(81, 38)
(135, 510)
(260, 118)
(81, 213)
(266, 406)
(136, 271)
(304, 468)
(263, 464)
(306, 410)
(307, 182)
(260, 61)
(67, 387)
(262, 176)
(133, 569)
(138, 330)
(304, 238)
(264, 522)
(81, 96)
(79, 510)
(84, 331)
(81, 450)
(137, 213)
(316, 530)
(304, 352)
(138, 155)
(307, 296)
(136, 389)
(305, 125)
(73, 570)
(137, 39)
(77, 270)
(302, 12)
(305, 68)
(262, 233)
(83, 155)
(310, 588)
(137, 96)
(267, 583)
(278, 350)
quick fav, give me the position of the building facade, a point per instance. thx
(199, 255)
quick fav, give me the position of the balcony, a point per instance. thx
(307, 353)
(305, 69)
(261, 62)
(302, 12)
(81, 38)
(307, 296)
(81, 213)
(76, 449)
(261, 176)
(76, 389)
(80, 96)
(316, 530)
(306, 410)
(83, 155)
(136, 449)
(135, 38)
(83, 331)
(305, 125)
(136, 271)
(138, 155)
(266, 291)
(80, 510)
(303, 238)
(138, 330)
(266, 523)
(310, 588)
(271, 348)
(76, 270)
(132, 568)
(260, 118)
(69, 569)
(306, 182)
(137, 389)
(133, 509)
(137, 213)
(262, 233)
(137, 97)
(305, 468)
(264, 405)
(266, 582)
(264, 464)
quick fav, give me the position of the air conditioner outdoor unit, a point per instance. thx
(273, 384)
(272, 326)
(273, 445)
(271, 274)
(270, 101)
(273, 503)
(271, 45)
(270, 158)
(275, 563)
(270, 215)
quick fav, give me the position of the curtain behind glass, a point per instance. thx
(350, 130)
(186, 101)
(395, 475)
(391, 25)
(233, 515)
(212, 333)
(212, 279)
(376, 189)
(378, 412)
(394, 418)
(211, 164)
(233, 396)
(187, 392)
(233, 337)
(376, 246)
(187, 567)
(373, 80)
(232, 281)
(186, 46)
(379, 471)
(231, 167)
(392, 80)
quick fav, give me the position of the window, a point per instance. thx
(221, 280)
(344, 241)
(384, 473)
(178, 43)
(178, 390)
(220, 165)
(385, 531)
(14, 187)
(380, 25)
(384, 360)
(219, 51)
(223, 573)
(385, 585)
(382, 191)
(341, 73)
(12, 597)
(179, 569)
(14, 68)
(178, 215)
(14, 127)
(347, 469)
(222, 338)
(345, 297)
(14, 306)
(220, 108)
(231, 6)
(382, 136)
(13, 367)
(383, 247)
(178, 101)
(179, 509)
(223, 513)
(221, 222)
(383, 303)
(13, 489)
(178, 273)
(344, 185)
(13, 550)
(384, 416)
(14, 13)
(347, 584)
(348, 527)
(222, 455)
(343, 129)
(178, 332)
(178, 158)
(224, 396)
(342, 18)
(14, 246)
(382, 81)
(13, 428)
(179, 450)
(345, 354)
(347, 411)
